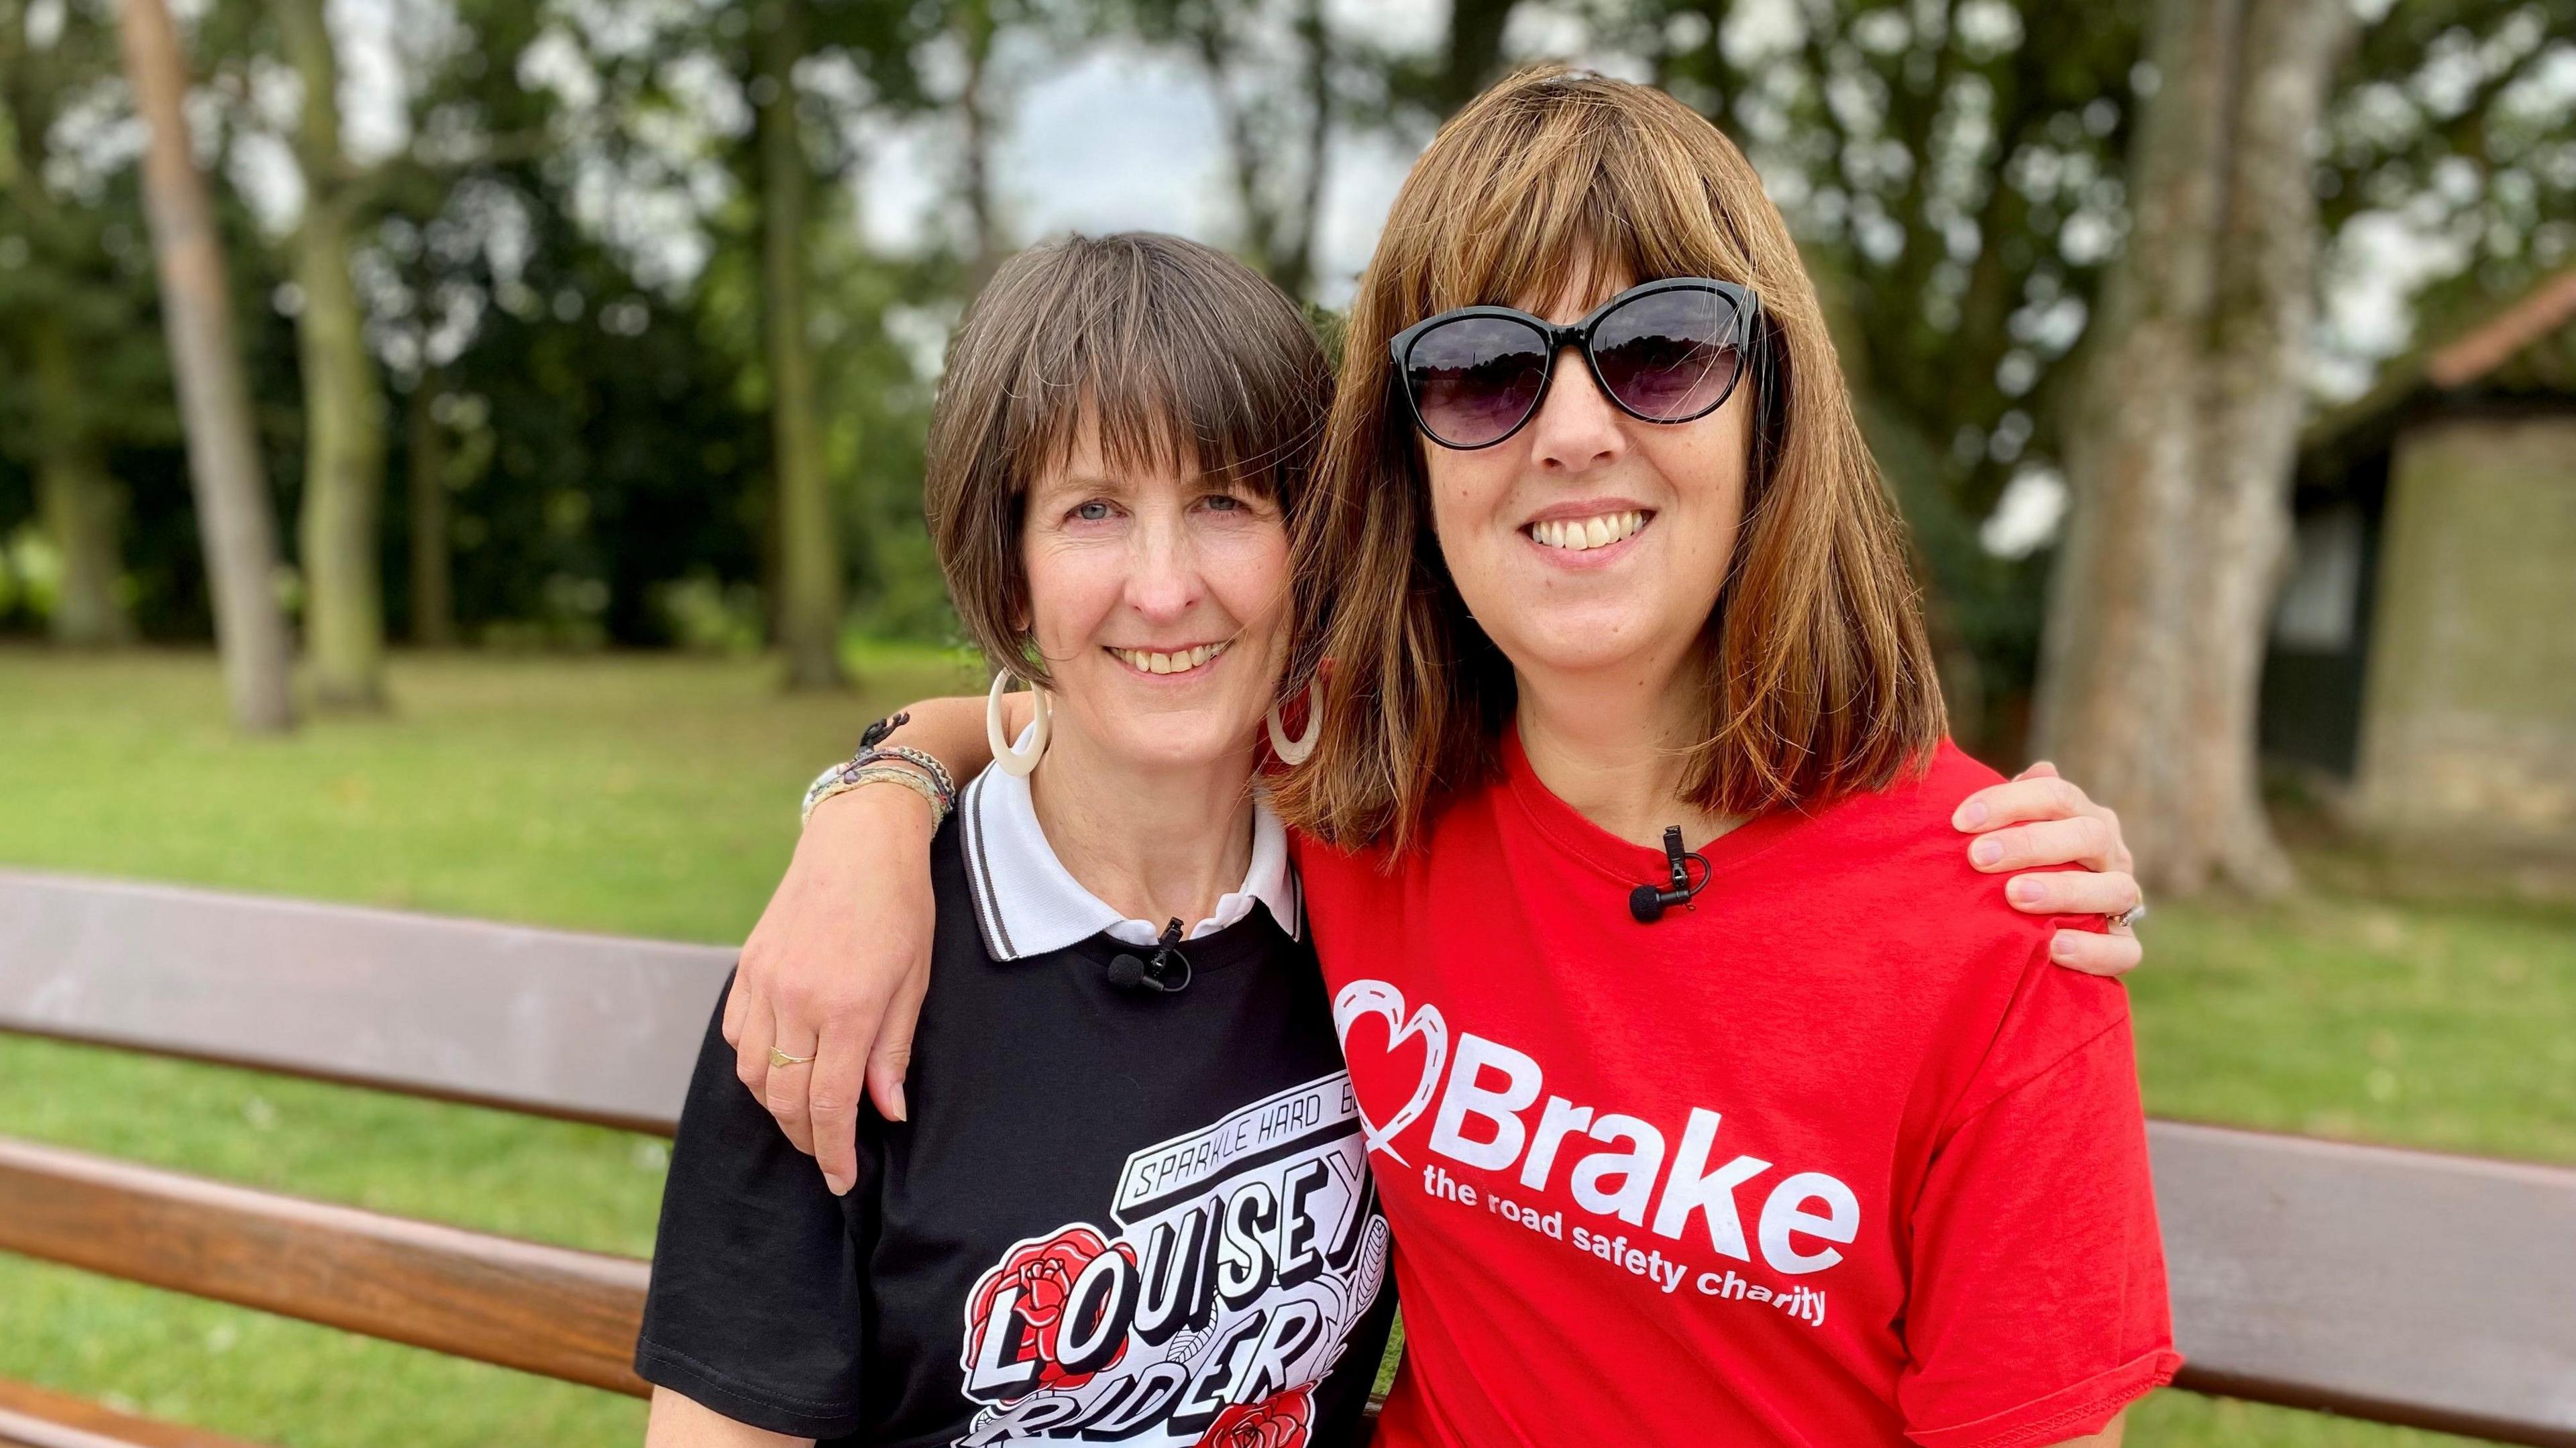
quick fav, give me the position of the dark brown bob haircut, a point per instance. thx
(1182, 356)
(1815, 675)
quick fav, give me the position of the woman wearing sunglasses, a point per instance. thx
(1712, 1096)
(1669, 351)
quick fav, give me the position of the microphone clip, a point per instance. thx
(1649, 902)
(1164, 972)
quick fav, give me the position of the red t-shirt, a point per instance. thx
(1834, 1157)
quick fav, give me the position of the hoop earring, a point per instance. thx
(1293, 752)
(1005, 757)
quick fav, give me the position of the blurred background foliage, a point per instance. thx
(558, 255)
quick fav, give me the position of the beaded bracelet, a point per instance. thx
(875, 760)
(842, 778)
(927, 763)
(875, 734)
(842, 782)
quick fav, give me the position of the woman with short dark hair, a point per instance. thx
(1131, 1201)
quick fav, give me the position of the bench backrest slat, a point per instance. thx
(550, 1310)
(2400, 1286)
(591, 1027)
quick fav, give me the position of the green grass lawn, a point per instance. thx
(655, 796)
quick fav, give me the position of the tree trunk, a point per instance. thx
(2179, 463)
(809, 552)
(1473, 52)
(344, 450)
(974, 105)
(433, 591)
(1295, 271)
(2114, 658)
(82, 508)
(1279, 222)
(2259, 324)
(223, 463)
(343, 471)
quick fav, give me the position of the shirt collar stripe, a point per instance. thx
(997, 940)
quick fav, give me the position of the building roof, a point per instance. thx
(2526, 347)
(2487, 346)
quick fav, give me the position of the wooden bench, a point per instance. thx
(2405, 1287)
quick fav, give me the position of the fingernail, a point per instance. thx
(1970, 815)
(901, 1113)
(1986, 852)
(2023, 890)
(837, 1182)
(2061, 946)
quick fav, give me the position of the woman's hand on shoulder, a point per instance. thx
(2031, 827)
(835, 973)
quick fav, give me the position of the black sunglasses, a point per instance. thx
(1666, 351)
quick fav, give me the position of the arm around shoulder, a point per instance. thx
(832, 977)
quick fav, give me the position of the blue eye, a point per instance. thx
(1224, 502)
(1092, 512)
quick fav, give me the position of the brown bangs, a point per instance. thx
(1158, 340)
(1182, 357)
(1815, 678)
(1575, 200)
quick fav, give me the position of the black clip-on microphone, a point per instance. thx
(1649, 902)
(1154, 972)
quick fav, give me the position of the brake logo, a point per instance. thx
(1613, 1164)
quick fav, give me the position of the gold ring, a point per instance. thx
(778, 1057)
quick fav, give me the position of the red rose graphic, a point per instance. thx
(1278, 1421)
(1045, 1273)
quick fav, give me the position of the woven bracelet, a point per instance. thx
(841, 779)
(919, 759)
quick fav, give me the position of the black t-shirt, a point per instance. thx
(1114, 1216)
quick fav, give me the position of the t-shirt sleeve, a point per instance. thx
(2037, 1306)
(754, 1308)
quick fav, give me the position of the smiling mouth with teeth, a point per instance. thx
(1181, 661)
(1578, 535)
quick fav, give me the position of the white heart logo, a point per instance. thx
(1377, 998)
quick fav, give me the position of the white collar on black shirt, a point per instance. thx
(1027, 903)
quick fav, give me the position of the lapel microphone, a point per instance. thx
(1165, 972)
(1649, 902)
